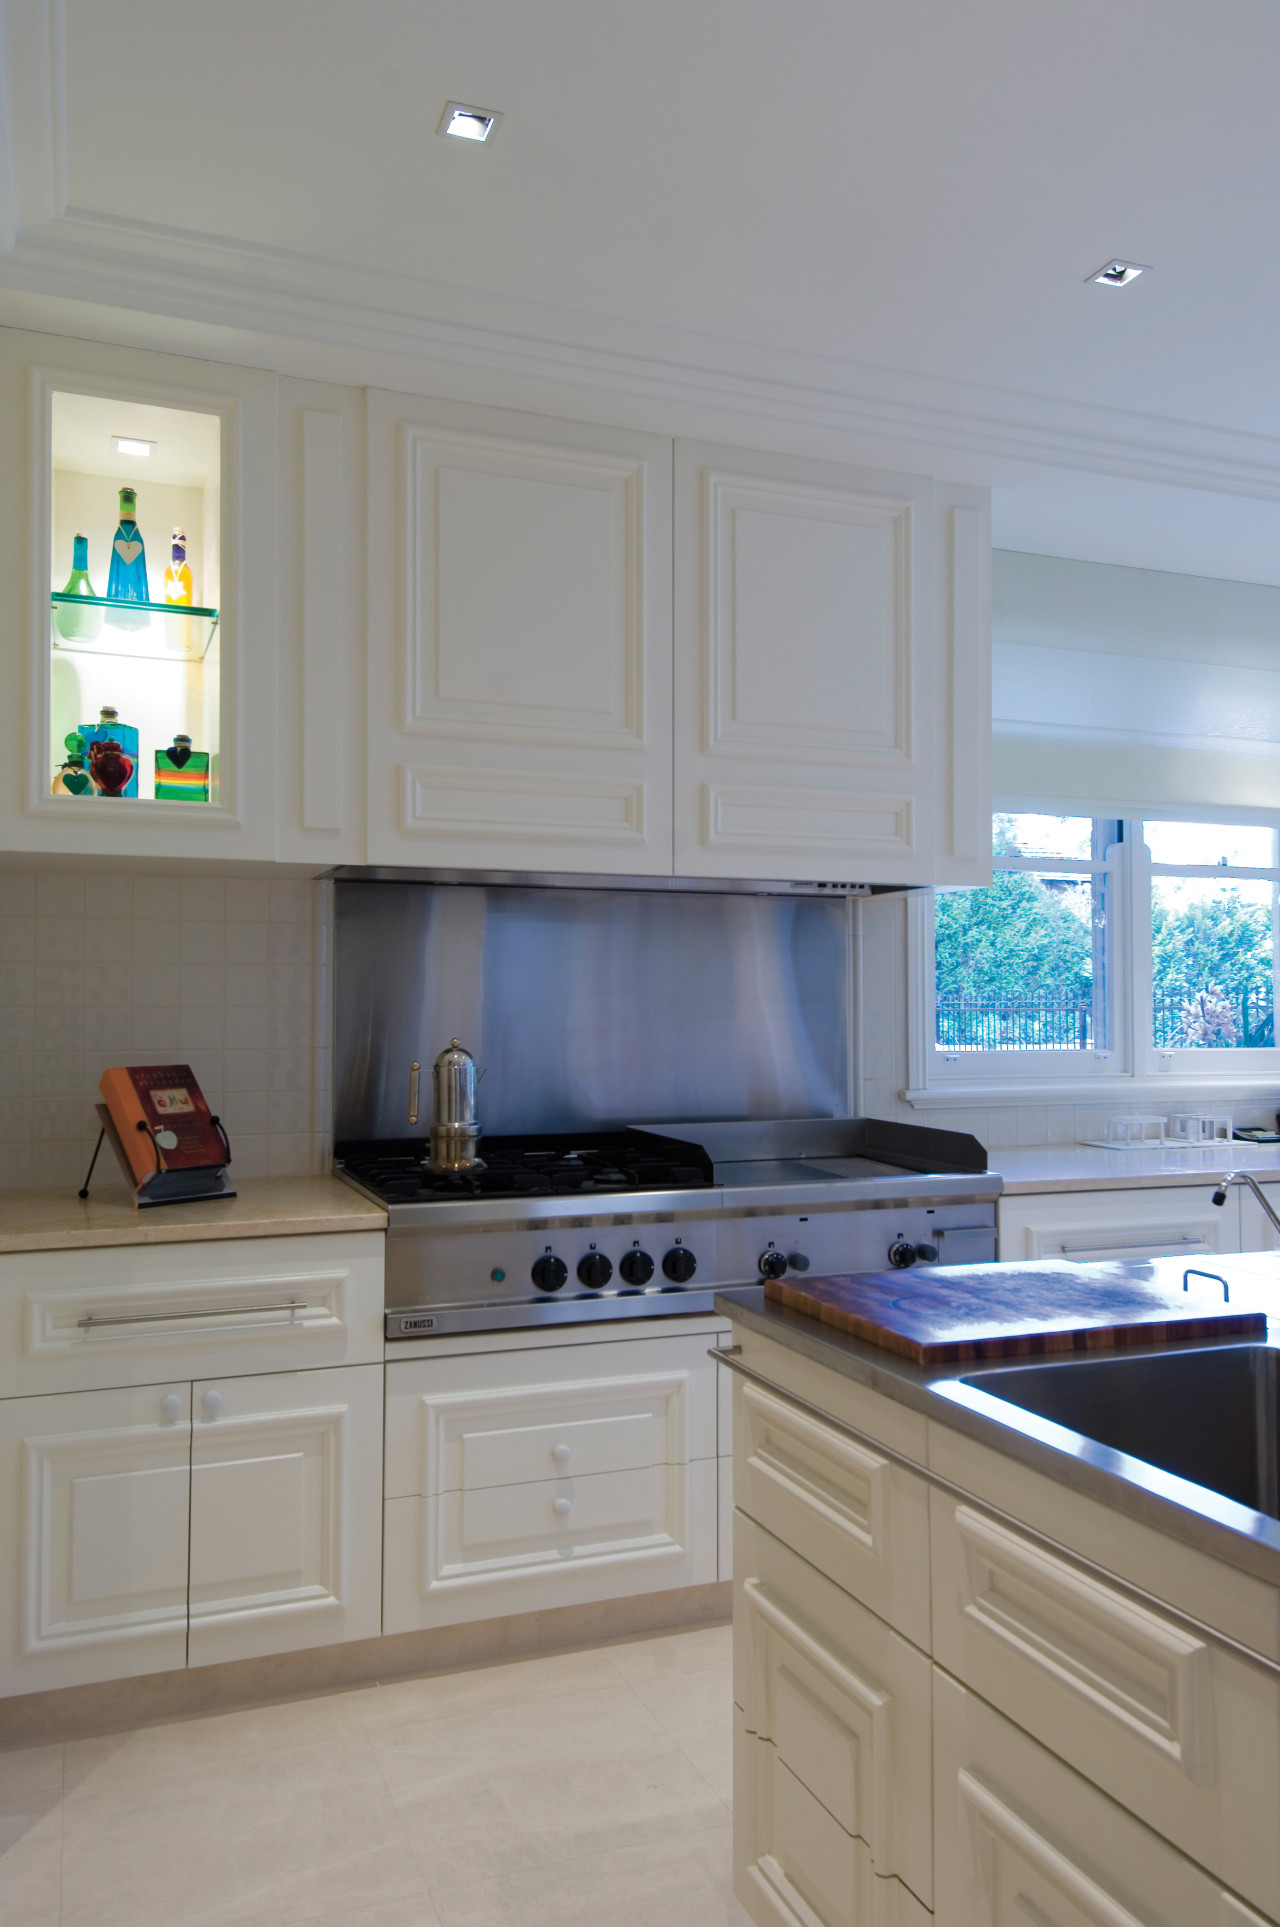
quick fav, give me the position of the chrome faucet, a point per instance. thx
(1246, 1177)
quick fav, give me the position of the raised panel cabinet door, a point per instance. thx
(840, 1703)
(93, 1535)
(1021, 1838)
(286, 1487)
(519, 641)
(806, 722)
(1173, 1221)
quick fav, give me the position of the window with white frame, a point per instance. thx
(1102, 948)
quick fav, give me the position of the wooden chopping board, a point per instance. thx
(1008, 1311)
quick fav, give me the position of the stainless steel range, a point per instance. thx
(527, 1203)
(636, 1223)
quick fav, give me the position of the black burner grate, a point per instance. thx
(535, 1167)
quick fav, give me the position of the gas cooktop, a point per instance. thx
(568, 1165)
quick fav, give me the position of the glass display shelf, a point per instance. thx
(159, 631)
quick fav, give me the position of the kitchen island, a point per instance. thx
(990, 1661)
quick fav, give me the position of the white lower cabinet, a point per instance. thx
(547, 1477)
(94, 1512)
(1168, 1221)
(136, 1542)
(1022, 1839)
(285, 1526)
(836, 1707)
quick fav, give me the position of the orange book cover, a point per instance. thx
(162, 1119)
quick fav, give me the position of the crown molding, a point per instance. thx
(88, 255)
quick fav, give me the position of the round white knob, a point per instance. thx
(212, 1403)
(562, 1508)
(561, 1454)
(171, 1405)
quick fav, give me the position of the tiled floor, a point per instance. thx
(585, 1789)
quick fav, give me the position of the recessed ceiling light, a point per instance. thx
(127, 445)
(1117, 274)
(468, 123)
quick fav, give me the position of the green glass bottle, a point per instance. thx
(78, 625)
(72, 778)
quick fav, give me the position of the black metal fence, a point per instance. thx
(1041, 1020)
(1241, 1017)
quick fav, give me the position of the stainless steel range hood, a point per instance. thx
(572, 880)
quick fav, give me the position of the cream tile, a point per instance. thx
(512, 1683)
(31, 1868)
(703, 1649)
(17, 893)
(688, 1885)
(201, 897)
(247, 902)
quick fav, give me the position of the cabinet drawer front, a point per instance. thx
(517, 1454)
(79, 1320)
(842, 1702)
(1021, 1837)
(460, 1441)
(1141, 1707)
(555, 1515)
(859, 1519)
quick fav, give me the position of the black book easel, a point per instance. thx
(164, 1186)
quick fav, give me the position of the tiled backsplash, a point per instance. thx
(230, 975)
(1037, 1122)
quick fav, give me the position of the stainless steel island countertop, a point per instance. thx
(966, 1399)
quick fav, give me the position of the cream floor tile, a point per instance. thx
(506, 1683)
(705, 1649)
(213, 1736)
(601, 1725)
(31, 1837)
(687, 1885)
(380, 1888)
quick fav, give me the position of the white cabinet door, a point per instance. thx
(815, 691)
(93, 1536)
(1021, 1838)
(1257, 1233)
(227, 699)
(838, 1708)
(520, 641)
(1172, 1221)
(286, 1480)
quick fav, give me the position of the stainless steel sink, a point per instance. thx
(1209, 1415)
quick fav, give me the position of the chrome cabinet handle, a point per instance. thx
(93, 1319)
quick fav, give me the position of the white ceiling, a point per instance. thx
(870, 215)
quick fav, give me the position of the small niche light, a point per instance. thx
(1117, 274)
(130, 445)
(468, 123)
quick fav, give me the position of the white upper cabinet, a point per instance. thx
(830, 647)
(190, 654)
(520, 641)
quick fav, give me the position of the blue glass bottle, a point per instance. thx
(128, 578)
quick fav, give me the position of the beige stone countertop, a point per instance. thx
(262, 1208)
(1083, 1167)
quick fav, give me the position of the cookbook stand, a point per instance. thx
(167, 1187)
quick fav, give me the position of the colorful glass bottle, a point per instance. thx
(182, 773)
(78, 625)
(72, 778)
(177, 577)
(109, 729)
(113, 773)
(128, 579)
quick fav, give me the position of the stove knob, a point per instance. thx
(679, 1264)
(549, 1273)
(772, 1263)
(636, 1267)
(595, 1270)
(902, 1255)
(927, 1254)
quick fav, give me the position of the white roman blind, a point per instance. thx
(1117, 691)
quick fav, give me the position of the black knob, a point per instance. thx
(679, 1264)
(772, 1263)
(549, 1273)
(636, 1267)
(927, 1254)
(902, 1255)
(595, 1270)
(798, 1261)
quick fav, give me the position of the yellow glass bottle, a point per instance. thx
(177, 577)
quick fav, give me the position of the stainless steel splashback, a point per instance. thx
(590, 1007)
